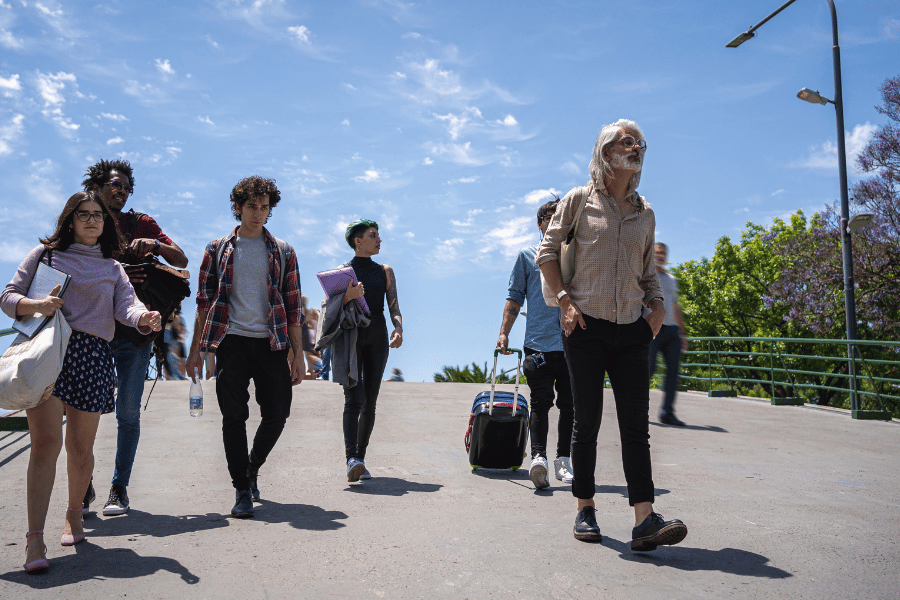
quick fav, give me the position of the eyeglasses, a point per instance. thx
(85, 216)
(629, 142)
(118, 185)
(543, 218)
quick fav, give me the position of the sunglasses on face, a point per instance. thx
(85, 216)
(118, 185)
(630, 142)
(543, 218)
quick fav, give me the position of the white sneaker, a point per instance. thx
(538, 473)
(563, 469)
(355, 469)
(365, 475)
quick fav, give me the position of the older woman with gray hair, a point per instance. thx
(605, 332)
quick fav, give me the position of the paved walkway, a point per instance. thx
(780, 502)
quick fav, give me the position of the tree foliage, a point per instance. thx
(475, 374)
(810, 284)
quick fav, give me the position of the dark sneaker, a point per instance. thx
(243, 504)
(254, 491)
(89, 497)
(586, 528)
(672, 420)
(654, 531)
(117, 504)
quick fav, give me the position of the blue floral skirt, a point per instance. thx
(87, 380)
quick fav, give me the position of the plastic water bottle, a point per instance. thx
(196, 396)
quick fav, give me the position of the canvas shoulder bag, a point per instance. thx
(567, 250)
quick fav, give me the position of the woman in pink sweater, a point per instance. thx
(98, 294)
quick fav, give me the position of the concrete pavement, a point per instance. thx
(780, 502)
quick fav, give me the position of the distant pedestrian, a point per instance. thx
(545, 362)
(615, 277)
(98, 295)
(248, 312)
(671, 339)
(396, 375)
(360, 342)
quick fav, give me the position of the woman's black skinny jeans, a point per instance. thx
(359, 401)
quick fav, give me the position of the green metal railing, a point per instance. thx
(785, 368)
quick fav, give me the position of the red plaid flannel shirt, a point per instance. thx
(213, 293)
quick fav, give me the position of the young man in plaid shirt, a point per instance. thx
(248, 313)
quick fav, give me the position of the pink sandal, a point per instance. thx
(68, 539)
(40, 565)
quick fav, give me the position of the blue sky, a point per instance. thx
(448, 123)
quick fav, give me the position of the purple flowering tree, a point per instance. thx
(811, 284)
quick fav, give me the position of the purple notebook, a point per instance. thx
(337, 281)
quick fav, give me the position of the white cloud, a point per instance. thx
(570, 168)
(301, 33)
(509, 121)
(510, 237)
(205, 119)
(434, 79)
(42, 184)
(173, 150)
(10, 134)
(48, 12)
(457, 153)
(467, 179)
(427, 161)
(346, 122)
(8, 40)
(371, 176)
(825, 156)
(776, 192)
(113, 117)
(144, 93)
(185, 195)
(165, 67)
(457, 123)
(540, 196)
(349, 86)
(412, 35)
(10, 85)
(115, 140)
(399, 75)
(212, 42)
(51, 88)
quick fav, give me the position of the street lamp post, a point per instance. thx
(846, 244)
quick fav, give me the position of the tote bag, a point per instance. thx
(29, 366)
(566, 253)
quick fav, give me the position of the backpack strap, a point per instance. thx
(282, 256)
(220, 250)
(133, 218)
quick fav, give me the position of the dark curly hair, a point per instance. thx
(253, 186)
(110, 239)
(99, 174)
(548, 208)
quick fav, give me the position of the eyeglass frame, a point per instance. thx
(545, 217)
(641, 144)
(86, 216)
(120, 186)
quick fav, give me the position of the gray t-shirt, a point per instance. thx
(248, 303)
(669, 286)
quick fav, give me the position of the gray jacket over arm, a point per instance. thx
(338, 327)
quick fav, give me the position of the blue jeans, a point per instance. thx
(668, 341)
(131, 371)
(326, 363)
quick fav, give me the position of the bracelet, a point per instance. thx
(156, 250)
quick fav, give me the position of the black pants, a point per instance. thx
(238, 360)
(667, 341)
(553, 371)
(621, 351)
(359, 401)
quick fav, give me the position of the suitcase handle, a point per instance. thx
(515, 401)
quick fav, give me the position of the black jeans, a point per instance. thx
(553, 371)
(359, 401)
(238, 360)
(621, 351)
(667, 341)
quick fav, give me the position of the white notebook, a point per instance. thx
(45, 279)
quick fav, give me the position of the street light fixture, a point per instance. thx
(859, 220)
(846, 245)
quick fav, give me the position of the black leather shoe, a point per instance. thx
(89, 496)
(672, 420)
(586, 528)
(254, 491)
(654, 531)
(243, 505)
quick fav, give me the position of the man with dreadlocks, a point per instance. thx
(113, 180)
(249, 313)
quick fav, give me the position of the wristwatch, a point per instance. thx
(561, 294)
(156, 250)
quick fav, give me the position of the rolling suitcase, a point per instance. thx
(498, 425)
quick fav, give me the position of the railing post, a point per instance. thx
(772, 369)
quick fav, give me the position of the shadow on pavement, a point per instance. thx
(137, 522)
(392, 486)
(623, 490)
(712, 428)
(298, 516)
(93, 562)
(521, 473)
(684, 558)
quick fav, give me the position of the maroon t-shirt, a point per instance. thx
(146, 227)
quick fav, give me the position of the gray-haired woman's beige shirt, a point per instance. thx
(615, 270)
